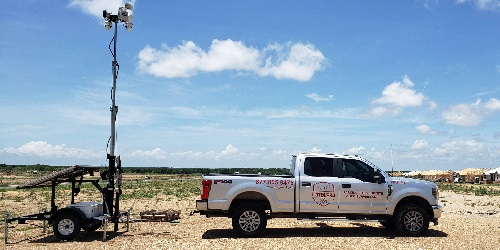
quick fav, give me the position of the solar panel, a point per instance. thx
(65, 174)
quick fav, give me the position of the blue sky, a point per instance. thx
(248, 84)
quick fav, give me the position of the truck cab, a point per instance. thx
(338, 185)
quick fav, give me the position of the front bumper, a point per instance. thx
(437, 210)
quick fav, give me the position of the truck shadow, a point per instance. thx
(323, 230)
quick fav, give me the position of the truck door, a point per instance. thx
(358, 192)
(318, 185)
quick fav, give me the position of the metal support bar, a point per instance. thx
(53, 207)
(6, 227)
(105, 227)
(129, 210)
(72, 192)
(44, 221)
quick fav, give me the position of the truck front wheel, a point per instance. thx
(249, 220)
(412, 220)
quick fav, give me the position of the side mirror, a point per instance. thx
(378, 178)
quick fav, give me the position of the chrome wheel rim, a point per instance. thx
(249, 221)
(413, 221)
(66, 227)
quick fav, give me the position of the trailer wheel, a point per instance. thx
(249, 220)
(412, 220)
(91, 226)
(66, 226)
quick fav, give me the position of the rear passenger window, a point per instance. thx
(322, 167)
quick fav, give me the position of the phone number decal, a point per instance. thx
(288, 184)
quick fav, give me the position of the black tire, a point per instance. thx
(412, 220)
(389, 224)
(66, 226)
(91, 225)
(249, 220)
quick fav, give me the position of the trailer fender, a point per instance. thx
(79, 214)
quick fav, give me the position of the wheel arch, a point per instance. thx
(415, 200)
(250, 197)
(79, 214)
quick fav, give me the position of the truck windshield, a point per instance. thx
(292, 165)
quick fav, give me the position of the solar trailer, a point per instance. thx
(67, 222)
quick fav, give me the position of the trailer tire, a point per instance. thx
(249, 220)
(66, 226)
(412, 220)
(91, 226)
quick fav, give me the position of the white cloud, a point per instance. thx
(483, 4)
(457, 148)
(419, 145)
(425, 129)
(469, 115)
(95, 7)
(396, 97)
(46, 150)
(229, 152)
(187, 59)
(356, 151)
(432, 105)
(192, 155)
(156, 153)
(382, 110)
(293, 61)
(466, 115)
(187, 111)
(317, 98)
(400, 94)
(493, 104)
(315, 150)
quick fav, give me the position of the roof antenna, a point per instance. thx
(392, 162)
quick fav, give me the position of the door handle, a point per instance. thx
(346, 185)
(306, 184)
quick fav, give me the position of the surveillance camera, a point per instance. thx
(108, 25)
(128, 26)
(123, 14)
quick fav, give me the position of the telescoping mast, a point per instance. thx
(115, 170)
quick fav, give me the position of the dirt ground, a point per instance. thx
(468, 222)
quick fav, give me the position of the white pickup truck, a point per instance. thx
(321, 187)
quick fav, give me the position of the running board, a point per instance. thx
(337, 219)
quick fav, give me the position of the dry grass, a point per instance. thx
(468, 222)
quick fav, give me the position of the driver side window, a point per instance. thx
(357, 169)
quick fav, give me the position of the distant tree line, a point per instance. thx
(188, 171)
(4, 168)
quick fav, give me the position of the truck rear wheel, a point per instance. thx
(66, 226)
(249, 220)
(412, 220)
